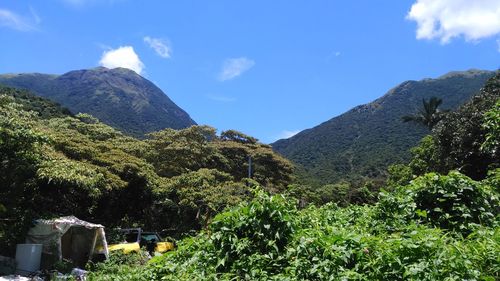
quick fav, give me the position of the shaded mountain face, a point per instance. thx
(118, 97)
(365, 140)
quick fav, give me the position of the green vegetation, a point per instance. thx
(429, 115)
(492, 127)
(53, 164)
(399, 238)
(465, 140)
(425, 226)
(361, 143)
(118, 97)
(29, 102)
(437, 217)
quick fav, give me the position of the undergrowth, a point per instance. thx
(437, 228)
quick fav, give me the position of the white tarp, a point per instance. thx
(69, 238)
(14, 278)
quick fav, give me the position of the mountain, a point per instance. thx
(118, 97)
(366, 139)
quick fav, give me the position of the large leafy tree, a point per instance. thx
(20, 154)
(492, 126)
(429, 115)
(461, 134)
(174, 152)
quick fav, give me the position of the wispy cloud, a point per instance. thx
(332, 55)
(14, 21)
(122, 57)
(221, 98)
(103, 46)
(234, 67)
(161, 47)
(285, 134)
(446, 19)
(35, 16)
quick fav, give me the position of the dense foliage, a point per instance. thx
(118, 97)
(29, 102)
(492, 127)
(400, 238)
(364, 141)
(54, 164)
(427, 225)
(465, 140)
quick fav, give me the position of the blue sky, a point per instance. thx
(266, 68)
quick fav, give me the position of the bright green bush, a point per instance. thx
(450, 202)
(259, 230)
(250, 238)
(492, 126)
(119, 266)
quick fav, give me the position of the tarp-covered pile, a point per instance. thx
(68, 238)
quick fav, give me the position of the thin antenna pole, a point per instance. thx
(249, 167)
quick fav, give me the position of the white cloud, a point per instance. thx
(15, 21)
(446, 19)
(122, 57)
(161, 47)
(234, 67)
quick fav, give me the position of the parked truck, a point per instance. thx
(133, 239)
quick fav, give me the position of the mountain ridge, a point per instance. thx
(364, 140)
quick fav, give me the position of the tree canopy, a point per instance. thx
(53, 163)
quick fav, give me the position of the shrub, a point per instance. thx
(453, 202)
(120, 266)
(327, 243)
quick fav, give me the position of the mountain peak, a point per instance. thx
(101, 70)
(117, 70)
(118, 97)
(467, 73)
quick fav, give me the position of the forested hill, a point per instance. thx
(118, 97)
(54, 164)
(365, 140)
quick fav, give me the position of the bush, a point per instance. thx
(119, 266)
(453, 202)
(251, 237)
(269, 239)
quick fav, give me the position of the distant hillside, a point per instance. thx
(365, 140)
(30, 102)
(118, 97)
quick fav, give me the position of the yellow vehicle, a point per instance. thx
(132, 239)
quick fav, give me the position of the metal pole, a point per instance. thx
(249, 167)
